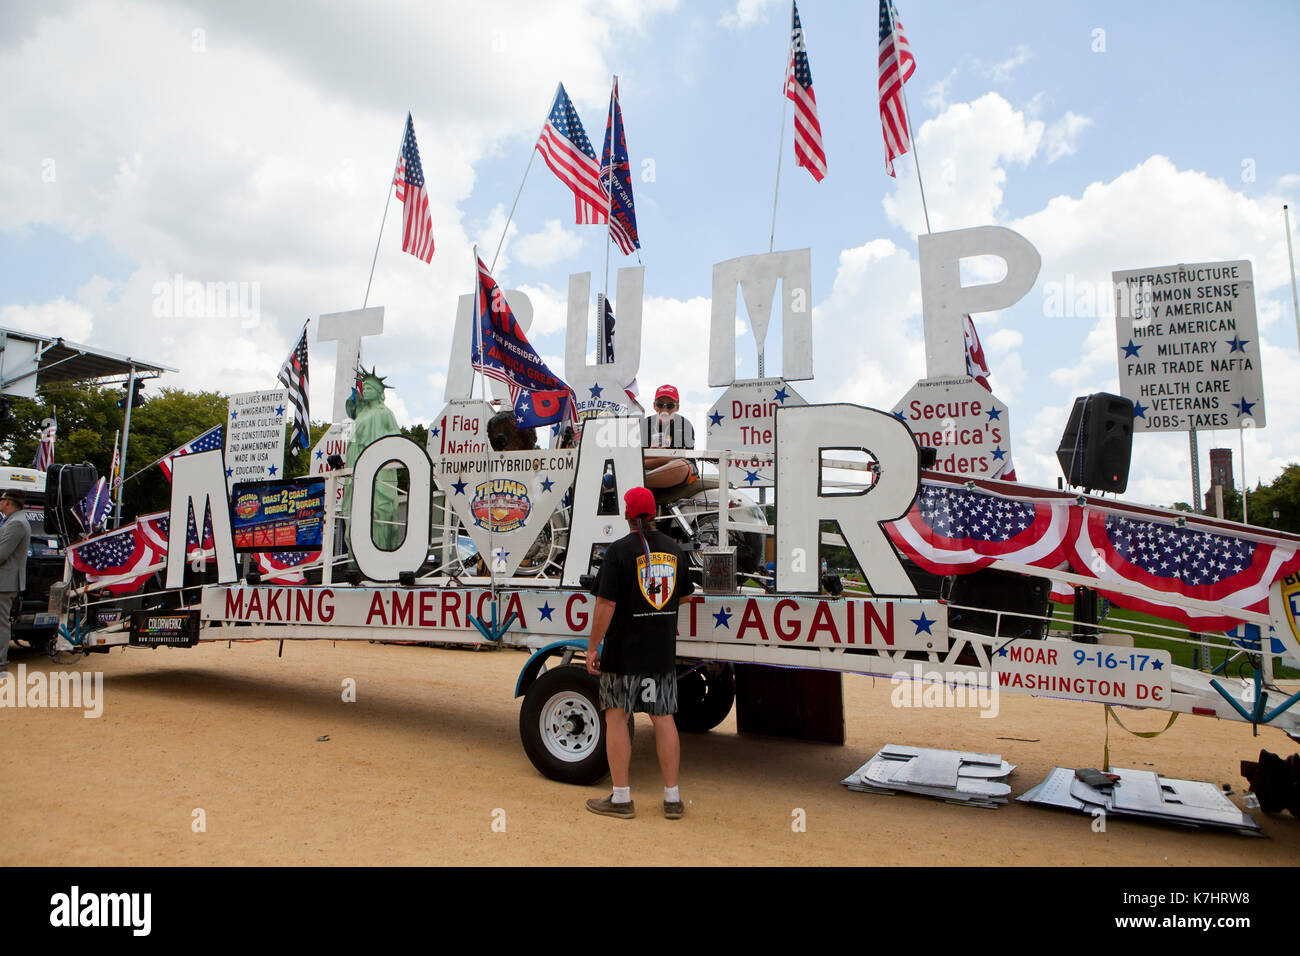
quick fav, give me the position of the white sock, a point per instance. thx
(622, 795)
(671, 795)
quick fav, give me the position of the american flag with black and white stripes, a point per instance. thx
(417, 224)
(808, 149)
(294, 376)
(896, 66)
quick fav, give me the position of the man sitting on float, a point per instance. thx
(504, 433)
(667, 429)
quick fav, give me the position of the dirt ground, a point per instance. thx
(419, 768)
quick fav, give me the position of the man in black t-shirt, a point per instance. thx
(642, 579)
(667, 429)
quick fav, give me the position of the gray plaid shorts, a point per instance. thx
(639, 693)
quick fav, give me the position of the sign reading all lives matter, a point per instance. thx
(255, 435)
(963, 422)
(744, 420)
(1188, 346)
(1112, 675)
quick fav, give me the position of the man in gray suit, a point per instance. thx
(15, 536)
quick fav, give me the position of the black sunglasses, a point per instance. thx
(665, 403)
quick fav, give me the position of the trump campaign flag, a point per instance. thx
(533, 409)
(502, 351)
(616, 179)
(92, 510)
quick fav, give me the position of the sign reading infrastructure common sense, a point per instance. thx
(1188, 346)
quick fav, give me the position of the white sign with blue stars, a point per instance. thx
(255, 424)
(744, 420)
(967, 425)
(1187, 341)
(1137, 676)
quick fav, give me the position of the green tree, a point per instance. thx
(1281, 495)
(89, 418)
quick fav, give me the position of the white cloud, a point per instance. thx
(1061, 135)
(552, 244)
(59, 317)
(964, 154)
(190, 178)
(746, 14)
(1001, 71)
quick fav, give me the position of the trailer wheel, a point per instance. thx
(705, 696)
(562, 726)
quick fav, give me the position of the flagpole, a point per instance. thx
(126, 440)
(531, 155)
(609, 224)
(780, 144)
(1295, 301)
(490, 561)
(387, 199)
(902, 88)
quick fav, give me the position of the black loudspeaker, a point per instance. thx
(1097, 445)
(994, 591)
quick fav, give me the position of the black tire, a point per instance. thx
(562, 726)
(704, 696)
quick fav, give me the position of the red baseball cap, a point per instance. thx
(639, 503)
(669, 391)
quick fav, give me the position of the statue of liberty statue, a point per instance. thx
(373, 421)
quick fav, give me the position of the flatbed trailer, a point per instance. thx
(561, 722)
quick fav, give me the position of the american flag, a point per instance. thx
(893, 52)
(282, 567)
(417, 224)
(977, 367)
(1211, 567)
(956, 530)
(154, 529)
(123, 552)
(45, 448)
(808, 148)
(294, 375)
(616, 179)
(212, 438)
(92, 510)
(567, 150)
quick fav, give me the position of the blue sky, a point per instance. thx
(241, 142)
